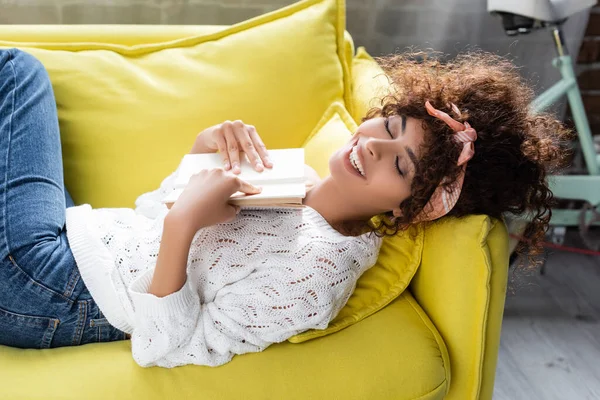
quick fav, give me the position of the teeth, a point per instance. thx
(355, 161)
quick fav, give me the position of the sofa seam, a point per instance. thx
(373, 309)
(340, 28)
(486, 229)
(439, 342)
(445, 381)
(335, 108)
(370, 310)
(142, 49)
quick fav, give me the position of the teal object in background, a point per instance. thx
(573, 187)
(579, 187)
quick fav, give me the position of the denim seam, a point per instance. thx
(10, 120)
(73, 279)
(24, 317)
(98, 322)
(16, 265)
(77, 336)
(35, 321)
(49, 334)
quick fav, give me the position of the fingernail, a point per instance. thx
(226, 164)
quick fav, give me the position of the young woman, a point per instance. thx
(201, 281)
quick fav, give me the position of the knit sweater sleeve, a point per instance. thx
(267, 306)
(150, 204)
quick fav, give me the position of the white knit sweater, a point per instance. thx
(268, 275)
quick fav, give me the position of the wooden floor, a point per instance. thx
(550, 344)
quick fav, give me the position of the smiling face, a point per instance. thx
(376, 168)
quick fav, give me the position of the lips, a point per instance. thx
(347, 162)
(356, 161)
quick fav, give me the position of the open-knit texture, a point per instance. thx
(268, 275)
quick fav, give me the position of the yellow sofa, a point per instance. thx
(438, 339)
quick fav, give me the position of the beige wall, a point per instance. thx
(382, 26)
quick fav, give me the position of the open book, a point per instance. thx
(282, 186)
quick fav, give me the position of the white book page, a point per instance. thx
(279, 191)
(288, 167)
(269, 191)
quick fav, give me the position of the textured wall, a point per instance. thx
(381, 25)
(589, 65)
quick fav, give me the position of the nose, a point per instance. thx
(375, 147)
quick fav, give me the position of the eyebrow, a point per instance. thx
(411, 154)
(412, 157)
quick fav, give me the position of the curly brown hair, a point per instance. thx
(514, 152)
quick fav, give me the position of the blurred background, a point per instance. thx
(550, 343)
(382, 26)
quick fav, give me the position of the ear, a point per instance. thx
(397, 212)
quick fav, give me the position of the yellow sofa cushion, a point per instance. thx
(333, 130)
(394, 354)
(465, 262)
(369, 84)
(399, 257)
(129, 112)
(461, 282)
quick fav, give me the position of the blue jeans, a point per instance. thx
(43, 300)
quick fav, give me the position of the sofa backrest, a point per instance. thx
(130, 106)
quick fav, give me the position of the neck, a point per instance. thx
(327, 200)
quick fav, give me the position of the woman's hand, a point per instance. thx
(231, 139)
(205, 200)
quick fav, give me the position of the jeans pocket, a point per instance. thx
(104, 331)
(26, 331)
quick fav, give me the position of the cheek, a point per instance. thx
(391, 189)
(338, 171)
(335, 163)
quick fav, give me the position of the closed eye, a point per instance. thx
(386, 123)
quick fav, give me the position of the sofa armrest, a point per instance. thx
(461, 285)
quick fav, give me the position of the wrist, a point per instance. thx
(170, 272)
(200, 146)
(179, 224)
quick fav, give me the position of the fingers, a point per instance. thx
(247, 188)
(260, 147)
(235, 138)
(232, 213)
(233, 150)
(222, 147)
(242, 133)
